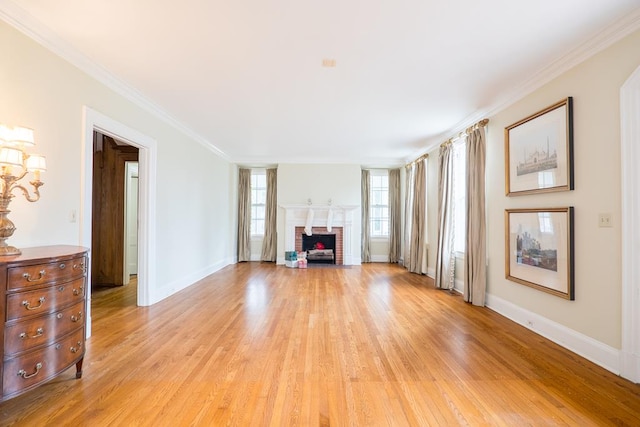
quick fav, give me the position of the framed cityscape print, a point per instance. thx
(539, 151)
(539, 249)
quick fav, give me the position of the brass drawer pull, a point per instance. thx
(78, 291)
(80, 266)
(75, 350)
(39, 333)
(29, 279)
(22, 373)
(27, 304)
(77, 318)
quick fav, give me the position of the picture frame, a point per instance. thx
(539, 151)
(540, 249)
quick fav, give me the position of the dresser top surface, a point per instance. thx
(43, 253)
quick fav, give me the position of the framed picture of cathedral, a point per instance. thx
(539, 249)
(539, 151)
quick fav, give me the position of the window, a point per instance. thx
(379, 203)
(258, 200)
(459, 197)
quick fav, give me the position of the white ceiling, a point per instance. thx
(246, 76)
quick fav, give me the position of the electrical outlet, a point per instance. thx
(604, 220)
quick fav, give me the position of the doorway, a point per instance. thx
(112, 159)
(147, 160)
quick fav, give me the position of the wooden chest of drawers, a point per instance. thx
(43, 307)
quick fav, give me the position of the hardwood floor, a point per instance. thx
(256, 344)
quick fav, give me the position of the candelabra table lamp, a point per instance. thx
(15, 163)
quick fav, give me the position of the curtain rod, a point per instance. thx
(481, 123)
(419, 159)
(471, 128)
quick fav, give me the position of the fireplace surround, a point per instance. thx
(326, 220)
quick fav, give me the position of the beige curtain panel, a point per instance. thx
(445, 259)
(366, 233)
(395, 219)
(418, 216)
(475, 274)
(244, 215)
(270, 240)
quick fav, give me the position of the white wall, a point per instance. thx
(595, 87)
(193, 216)
(590, 325)
(299, 182)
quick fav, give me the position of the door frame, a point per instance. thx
(147, 146)
(630, 152)
(131, 173)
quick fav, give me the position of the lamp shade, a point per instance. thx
(23, 136)
(5, 134)
(36, 163)
(11, 157)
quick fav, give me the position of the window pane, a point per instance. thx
(261, 197)
(375, 198)
(459, 198)
(379, 203)
(258, 201)
(259, 227)
(384, 226)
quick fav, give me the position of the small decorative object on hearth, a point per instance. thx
(15, 163)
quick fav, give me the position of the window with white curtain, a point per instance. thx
(459, 198)
(379, 203)
(258, 201)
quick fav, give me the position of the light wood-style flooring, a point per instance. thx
(260, 345)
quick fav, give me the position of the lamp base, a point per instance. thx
(9, 251)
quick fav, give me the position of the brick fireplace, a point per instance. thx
(336, 231)
(334, 220)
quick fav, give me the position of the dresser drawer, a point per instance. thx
(25, 335)
(40, 365)
(46, 300)
(41, 274)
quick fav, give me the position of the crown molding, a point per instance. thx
(575, 56)
(15, 16)
(381, 163)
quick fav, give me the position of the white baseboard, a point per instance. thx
(380, 258)
(158, 295)
(587, 347)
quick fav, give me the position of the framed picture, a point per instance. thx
(539, 249)
(539, 151)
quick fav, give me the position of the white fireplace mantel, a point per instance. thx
(341, 216)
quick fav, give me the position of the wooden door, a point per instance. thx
(108, 222)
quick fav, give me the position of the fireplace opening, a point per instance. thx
(320, 248)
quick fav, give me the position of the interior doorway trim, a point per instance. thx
(630, 151)
(147, 146)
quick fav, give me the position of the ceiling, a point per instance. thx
(246, 77)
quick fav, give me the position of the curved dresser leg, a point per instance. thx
(79, 368)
